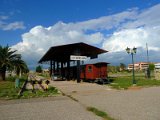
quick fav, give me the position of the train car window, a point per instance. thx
(89, 68)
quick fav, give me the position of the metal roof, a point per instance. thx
(62, 53)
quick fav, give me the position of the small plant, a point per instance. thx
(72, 98)
(52, 91)
(99, 113)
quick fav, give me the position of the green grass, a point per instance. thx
(46, 75)
(8, 90)
(99, 113)
(12, 78)
(52, 91)
(126, 81)
(72, 98)
(121, 82)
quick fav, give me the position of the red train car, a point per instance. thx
(94, 72)
(89, 72)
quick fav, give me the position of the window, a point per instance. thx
(89, 68)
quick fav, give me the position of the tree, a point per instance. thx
(20, 67)
(151, 67)
(8, 60)
(39, 69)
(113, 69)
(122, 66)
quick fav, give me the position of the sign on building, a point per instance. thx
(74, 57)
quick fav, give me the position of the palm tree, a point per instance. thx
(9, 59)
(20, 67)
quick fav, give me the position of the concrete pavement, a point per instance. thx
(51, 108)
(138, 104)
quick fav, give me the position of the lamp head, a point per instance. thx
(128, 50)
(134, 50)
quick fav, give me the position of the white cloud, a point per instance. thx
(130, 28)
(10, 26)
(14, 26)
(133, 38)
(3, 17)
(144, 29)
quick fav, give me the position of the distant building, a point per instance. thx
(139, 66)
(45, 71)
(157, 71)
(136, 66)
(157, 66)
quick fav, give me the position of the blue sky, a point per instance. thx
(40, 24)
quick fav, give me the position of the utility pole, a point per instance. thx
(148, 70)
(147, 53)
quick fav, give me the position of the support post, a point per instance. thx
(133, 77)
(62, 70)
(78, 71)
(51, 68)
(57, 67)
(68, 70)
(54, 68)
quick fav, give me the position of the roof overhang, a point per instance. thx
(62, 53)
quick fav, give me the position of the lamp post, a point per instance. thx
(132, 52)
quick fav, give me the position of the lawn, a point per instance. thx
(8, 90)
(124, 81)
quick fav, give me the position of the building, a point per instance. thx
(139, 66)
(157, 66)
(130, 66)
(60, 55)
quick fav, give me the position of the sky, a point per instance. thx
(33, 26)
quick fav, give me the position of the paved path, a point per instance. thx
(51, 108)
(140, 104)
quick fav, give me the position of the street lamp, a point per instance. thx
(132, 52)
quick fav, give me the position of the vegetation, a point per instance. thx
(99, 113)
(8, 90)
(39, 69)
(71, 97)
(124, 82)
(52, 91)
(11, 61)
(113, 69)
(122, 66)
(46, 75)
(151, 67)
(21, 67)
